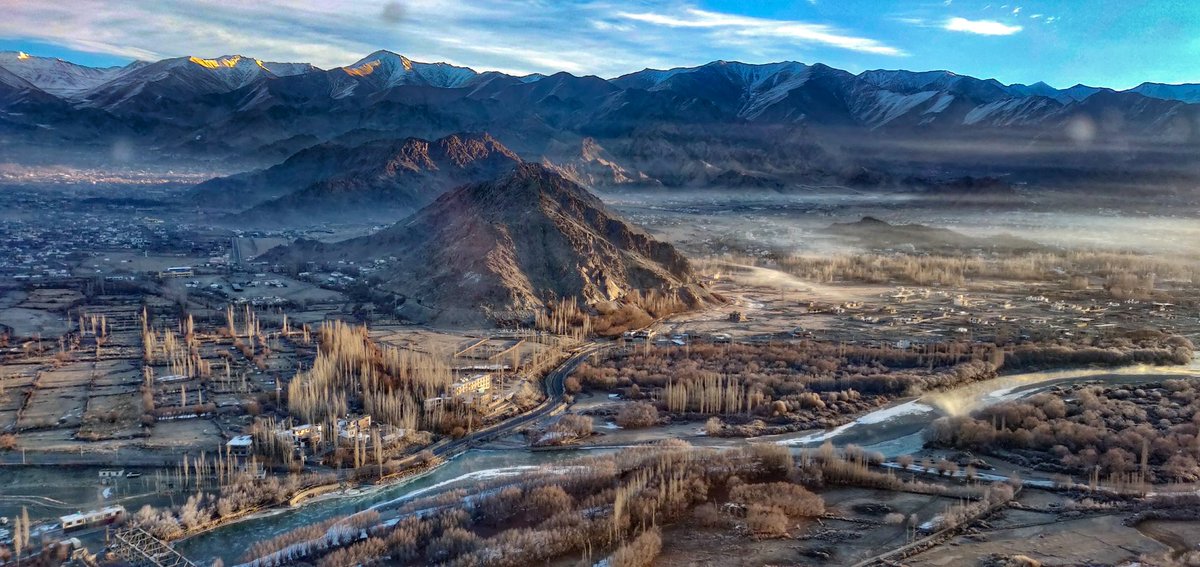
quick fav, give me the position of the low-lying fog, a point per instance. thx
(705, 221)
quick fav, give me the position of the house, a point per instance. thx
(306, 432)
(351, 428)
(240, 446)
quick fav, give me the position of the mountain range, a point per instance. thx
(723, 122)
(504, 249)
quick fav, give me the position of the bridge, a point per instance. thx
(140, 549)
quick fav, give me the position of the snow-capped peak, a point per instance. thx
(224, 61)
(392, 69)
(55, 76)
(253, 65)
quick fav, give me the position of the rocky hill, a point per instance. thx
(505, 248)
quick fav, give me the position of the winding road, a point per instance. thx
(555, 386)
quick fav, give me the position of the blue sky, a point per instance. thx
(1114, 43)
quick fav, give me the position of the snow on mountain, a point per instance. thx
(58, 77)
(288, 69)
(941, 104)
(889, 106)
(183, 78)
(10, 79)
(1187, 92)
(647, 78)
(391, 69)
(234, 71)
(909, 81)
(1012, 112)
(751, 89)
(745, 75)
(766, 91)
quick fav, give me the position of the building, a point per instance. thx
(253, 468)
(307, 432)
(301, 435)
(357, 427)
(474, 384)
(177, 272)
(639, 336)
(240, 446)
(434, 403)
(79, 520)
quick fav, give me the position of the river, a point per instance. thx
(893, 430)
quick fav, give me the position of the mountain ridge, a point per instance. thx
(781, 123)
(387, 179)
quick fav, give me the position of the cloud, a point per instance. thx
(981, 27)
(747, 27)
(516, 36)
(513, 36)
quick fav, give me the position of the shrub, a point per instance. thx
(766, 521)
(637, 415)
(640, 552)
(709, 516)
(791, 499)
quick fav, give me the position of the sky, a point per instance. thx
(1111, 43)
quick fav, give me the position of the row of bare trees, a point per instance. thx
(353, 372)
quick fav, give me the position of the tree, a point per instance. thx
(637, 415)
(766, 521)
(546, 501)
(18, 544)
(713, 426)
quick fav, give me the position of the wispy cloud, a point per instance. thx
(981, 27)
(516, 36)
(748, 27)
(602, 37)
